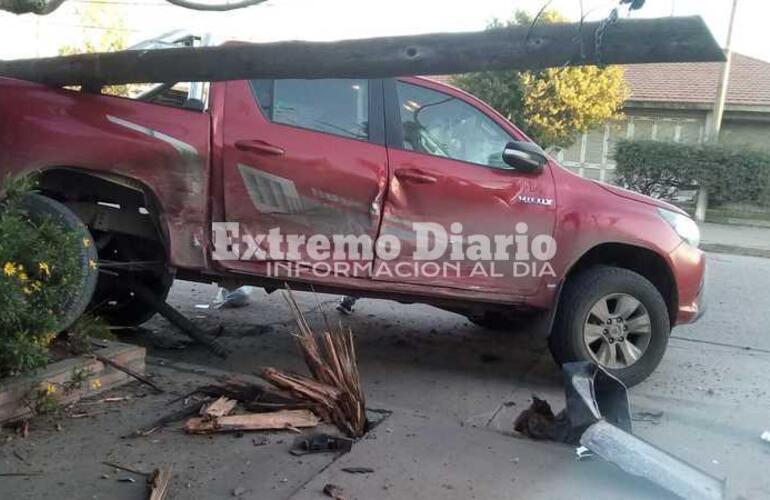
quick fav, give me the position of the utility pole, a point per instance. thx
(719, 109)
(724, 79)
(630, 41)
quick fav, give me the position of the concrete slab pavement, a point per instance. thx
(426, 456)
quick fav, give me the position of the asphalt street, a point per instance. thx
(454, 390)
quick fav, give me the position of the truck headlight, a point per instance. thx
(683, 225)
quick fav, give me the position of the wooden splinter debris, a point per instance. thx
(159, 482)
(219, 408)
(277, 420)
(335, 385)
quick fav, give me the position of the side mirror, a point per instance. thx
(524, 156)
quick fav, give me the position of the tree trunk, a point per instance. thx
(670, 39)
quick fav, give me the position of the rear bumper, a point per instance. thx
(689, 268)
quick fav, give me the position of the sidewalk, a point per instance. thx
(739, 240)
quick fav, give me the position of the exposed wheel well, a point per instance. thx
(126, 225)
(640, 260)
(107, 204)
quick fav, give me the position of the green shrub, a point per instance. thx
(661, 168)
(38, 265)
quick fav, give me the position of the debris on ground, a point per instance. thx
(539, 422)
(159, 482)
(128, 371)
(640, 458)
(321, 443)
(226, 299)
(357, 470)
(335, 385)
(334, 491)
(598, 413)
(653, 417)
(125, 469)
(189, 328)
(583, 453)
(176, 416)
(252, 397)
(345, 305)
(276, 420)
(219, 408)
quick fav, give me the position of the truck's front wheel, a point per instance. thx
(42, 208)
(615, 318)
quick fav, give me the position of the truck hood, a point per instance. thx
(631, 195)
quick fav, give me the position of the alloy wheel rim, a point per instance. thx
(617, 331)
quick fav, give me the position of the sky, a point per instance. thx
(35, 36)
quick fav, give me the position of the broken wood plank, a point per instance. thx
(219, 408)
(276, 420)
(159, 482)
(301, 386)
(628, 41)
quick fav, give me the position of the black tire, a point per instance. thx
(582, 292)
(40, 207)
(113, 301)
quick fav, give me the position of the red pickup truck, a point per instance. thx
(405, 189)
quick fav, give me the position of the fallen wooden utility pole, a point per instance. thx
(672, 39)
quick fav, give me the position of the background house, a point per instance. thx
(673, 102)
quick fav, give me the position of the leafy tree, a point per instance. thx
(552, 105)
(110, 37)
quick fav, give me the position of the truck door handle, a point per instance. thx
(259, 147)
(414, 175)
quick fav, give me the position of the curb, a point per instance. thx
(735, 250)
(15, 391)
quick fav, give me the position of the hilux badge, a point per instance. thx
(534, 200)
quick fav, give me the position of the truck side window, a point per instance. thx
(333, 106)
(438, 124)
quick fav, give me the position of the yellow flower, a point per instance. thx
(93, 264)
(23, 277)
(10, 269)
(96, 383)
(45, 269)
(86, 242)
(50, 389)
(48, 338)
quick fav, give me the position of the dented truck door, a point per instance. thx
(304, 158)
(447, 174)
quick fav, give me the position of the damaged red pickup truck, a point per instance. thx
(405, 189)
